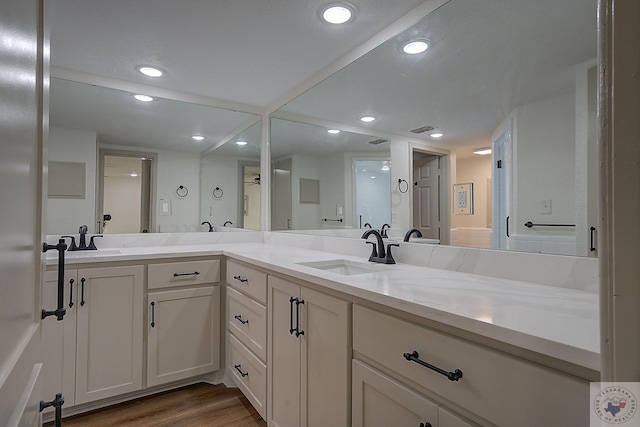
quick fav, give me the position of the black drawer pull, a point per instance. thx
(291, 328)
(82, 302)
(298, 331)
(239, 318)
(241, 279)
(195, 273)
(244, 374)
(427, 424)
(415, 357)
(592, 247)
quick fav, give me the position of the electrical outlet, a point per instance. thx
(545, 206)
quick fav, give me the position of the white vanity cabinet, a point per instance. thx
(495, 388)
(247, 337)
(100, 336)
(309, 357)
(183, 320)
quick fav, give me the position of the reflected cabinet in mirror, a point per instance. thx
(503, 98)
(149, 165)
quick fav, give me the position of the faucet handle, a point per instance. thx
(92, 245)
(72, 246)
(374, 251)
(389, 258)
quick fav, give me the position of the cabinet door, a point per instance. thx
(184, 334)
(59, 338)
(283, 375)
(326, 360)
(109, 332)
(380, 401)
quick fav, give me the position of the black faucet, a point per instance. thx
(367, 225)
(378, 254)
(227, 222)
(210, 226)
(82, 246)
(410, 232)
(383, 230)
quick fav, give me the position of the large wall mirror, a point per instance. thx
(516, 78)
(140, 167)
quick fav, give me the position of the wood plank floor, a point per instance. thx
(196, 405)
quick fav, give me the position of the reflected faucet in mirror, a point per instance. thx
(410, 232)
(227, 223)
(209, 224)
(367, 225)
(383, 230)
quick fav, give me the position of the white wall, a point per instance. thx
(222, 172)
(65, 216)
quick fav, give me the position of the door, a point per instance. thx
(426, 194)
(501, 178)
(184, 334)
(281, 203)
(22, 138)
(283, 393)
(381, 401)
(109, 332)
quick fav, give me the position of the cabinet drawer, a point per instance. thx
(249, 374)
(248, 280)
(500, 388)
(186, 273)
(247, 320)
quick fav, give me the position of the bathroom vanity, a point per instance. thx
(318, 338)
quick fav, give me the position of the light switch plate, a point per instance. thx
(545, 206)
(165, 207)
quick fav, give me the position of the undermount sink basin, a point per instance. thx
(342, 266)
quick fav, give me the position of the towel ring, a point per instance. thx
(400, 181)
(218, 193)
(182, 191)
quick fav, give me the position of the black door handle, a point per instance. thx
(507, 226)
(291, 300)
(60, 311)
(298, 331)
(153, 314)
(71, 282)
(82, 291)
(592, 231)
(57, 404)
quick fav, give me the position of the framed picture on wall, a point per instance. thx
(463, 198)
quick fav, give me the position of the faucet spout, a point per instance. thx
(209, 224)
(410, 232)
(380, 252)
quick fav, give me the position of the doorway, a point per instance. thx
(501, 191)
(372, 192)
(249, 197)
(426, 194)
(124, 200)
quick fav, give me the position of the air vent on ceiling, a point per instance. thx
(423, 129)
(378, 141)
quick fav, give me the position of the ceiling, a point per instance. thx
(486, 58)
(245, 51)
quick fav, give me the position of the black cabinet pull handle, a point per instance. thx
(153, 314)
(415, 357)
(507, 226)
(240, 319)
(57, 404)
(241, 279)
(237, 368)
(71, 282)
(195, 273)
(298, 331)
(592, 231)
(82, 291)
(60, 311)
(291, 300)
(427, 424)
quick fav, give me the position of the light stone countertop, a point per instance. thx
(554, 321)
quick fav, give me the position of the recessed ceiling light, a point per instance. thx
(150, 71)
(415, 47)
(385, 167)
(241, 142)
(483, 151)
(197, 137)
(333, 131)
(143, 98)
(338, 13)
(367, 119)
(436, 135)
(373, 177)
(133, 174)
